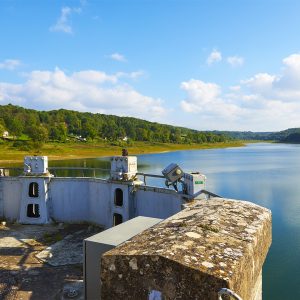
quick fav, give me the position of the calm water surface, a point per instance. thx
(266, 174)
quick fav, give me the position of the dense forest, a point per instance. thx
(293, 138)
(247, 135)
(63, 125)
(291, 135)
(284, 135)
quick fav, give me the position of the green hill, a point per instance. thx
(293, 138)
(284, 136)
(246, 135)
(61, 125)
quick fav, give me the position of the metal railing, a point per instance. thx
(205, 192)
(54, 170)
(83, 170)
(17, 171)
(149, 175)
(228, 292)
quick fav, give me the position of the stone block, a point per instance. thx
(213, 244)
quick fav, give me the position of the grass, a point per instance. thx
(74, 150)
(50, 238)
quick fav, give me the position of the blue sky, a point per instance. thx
(206, 64)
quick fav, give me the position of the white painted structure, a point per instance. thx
(35, 204)
(35, 165)
(123, 167)
(194, 182)
(37, 197)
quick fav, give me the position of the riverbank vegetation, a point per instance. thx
(64, 134)
(66, 125)
(74, 150)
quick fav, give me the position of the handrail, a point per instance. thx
(53, 169)
(58, 168)
(208, 193)
(149, 175)
(84, 168)
(11, 168)
(225, 291)
(77, 168)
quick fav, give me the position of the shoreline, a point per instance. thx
(73, 151)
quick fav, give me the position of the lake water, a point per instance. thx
(266, 174)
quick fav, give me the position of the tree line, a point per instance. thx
(60, 125)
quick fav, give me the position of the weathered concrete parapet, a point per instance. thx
(210, 245)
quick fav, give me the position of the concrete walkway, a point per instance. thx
(42, 261)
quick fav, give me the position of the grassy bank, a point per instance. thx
(55, 151)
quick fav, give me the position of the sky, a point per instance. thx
(201, 64)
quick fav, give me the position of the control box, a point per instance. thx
(172, 172)
(194, 182)
(123, 168)
(35, 165)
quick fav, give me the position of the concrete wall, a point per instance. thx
(87, 200)
(156, 202)
(99, 208)
(69, 199)
(11, 198)
(66, 199)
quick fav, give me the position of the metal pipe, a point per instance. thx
(150, 175)
(225, 291)
(210, 194)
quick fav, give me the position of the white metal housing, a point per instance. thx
(123, 167)
(194, 182)
(35, 165)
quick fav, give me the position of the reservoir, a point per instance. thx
(266, 174)
(263, 173)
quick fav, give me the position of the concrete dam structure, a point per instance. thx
(37, 197)
(173, 242)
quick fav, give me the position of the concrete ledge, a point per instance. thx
(98, 244)
(210, 245)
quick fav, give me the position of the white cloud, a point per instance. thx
(200, 93)
(87, 90)
(235, 61)
(63, 23)
(131, 75)
(92, 76)
(263, 102)
(118, 57)
(10, 64)
(205, 98)
(284, 87)
(214, 57)
(235, 88)
(260, 83)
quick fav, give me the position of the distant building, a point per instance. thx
(5, 134)
(125, 139)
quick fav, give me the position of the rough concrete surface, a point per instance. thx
(219, 243)
(65, 252)
(24, 276)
